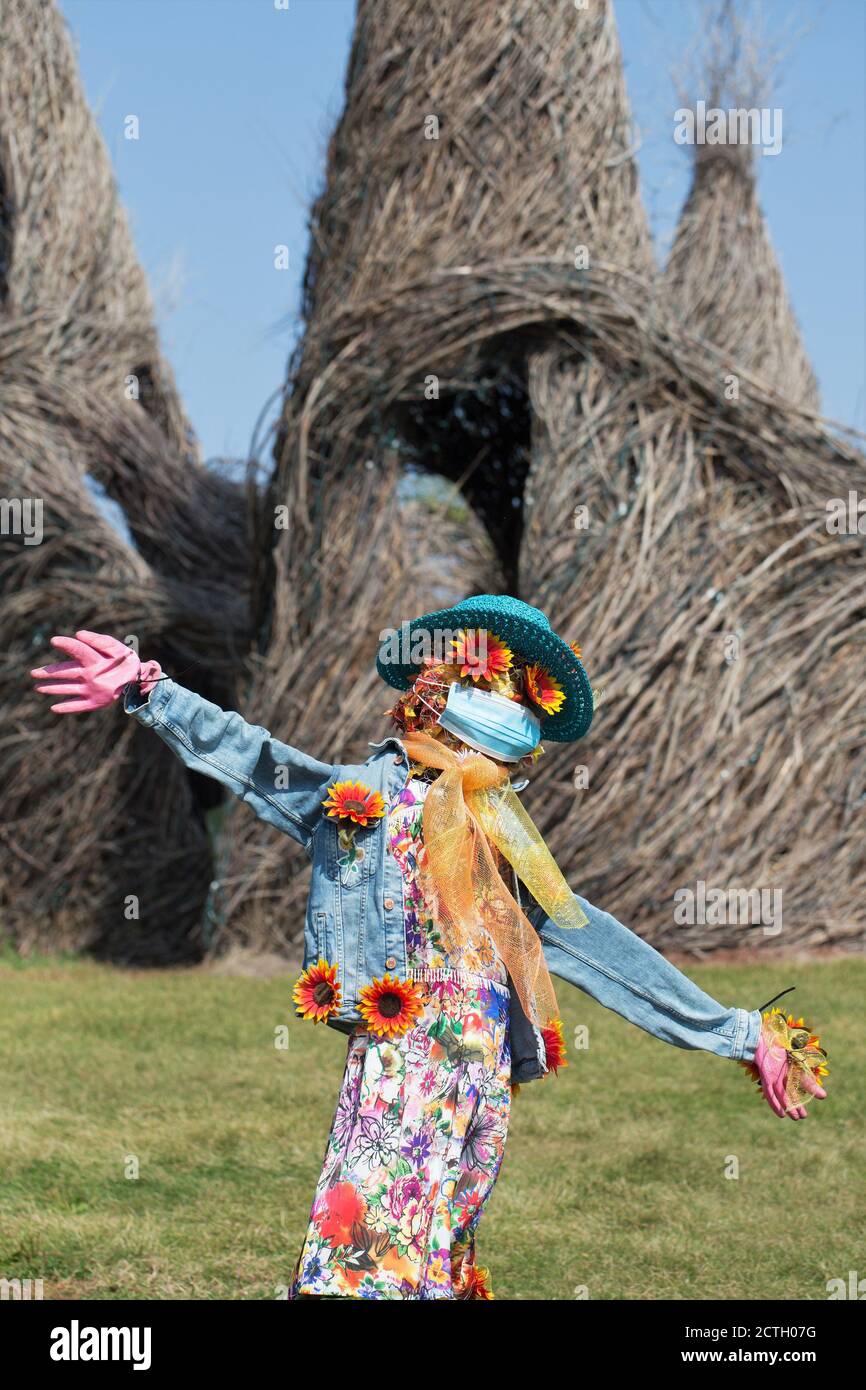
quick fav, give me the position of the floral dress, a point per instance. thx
(419, 1132)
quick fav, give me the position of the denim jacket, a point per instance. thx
(359, 923)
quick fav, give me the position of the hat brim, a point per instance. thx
(530, 643)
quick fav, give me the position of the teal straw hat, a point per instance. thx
(525, 630)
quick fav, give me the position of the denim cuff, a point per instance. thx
(147, 708)
(746, 1035)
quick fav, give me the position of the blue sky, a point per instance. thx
(235, 101)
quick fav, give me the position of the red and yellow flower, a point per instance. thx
(353, 801)
(390, 1006)
(338, 1211)
(468, 1279)
(480, 654)
(575, 647)
(543, 690)
(479, 1283)
(554, 1045)
(317, 994)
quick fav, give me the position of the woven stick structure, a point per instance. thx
(451, 259)
(578, 397)
(86, 399)
(452, 329)
(721, 733)
(722, 278)
(432, 163)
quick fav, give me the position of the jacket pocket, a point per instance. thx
(324, 935)
(354, 855)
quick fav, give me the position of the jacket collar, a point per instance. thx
(390, 742)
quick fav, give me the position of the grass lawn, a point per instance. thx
(614, 1179)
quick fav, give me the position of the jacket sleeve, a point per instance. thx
(283, 786)
(627, 975)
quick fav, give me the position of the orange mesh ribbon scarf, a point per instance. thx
(469, 805)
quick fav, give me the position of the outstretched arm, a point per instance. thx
(282, 785)
(627, 975)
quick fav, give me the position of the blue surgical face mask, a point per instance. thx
(491, 723)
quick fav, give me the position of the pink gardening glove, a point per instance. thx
(773, 1064)
(100, 668)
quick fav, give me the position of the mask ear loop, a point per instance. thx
(427, 705)
(437, 685)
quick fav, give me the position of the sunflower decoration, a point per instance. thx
(554, 1045)
(390, 1006)
(354, 803)
(481, 654)
(543, 690)
(317, 994)
(575, 647)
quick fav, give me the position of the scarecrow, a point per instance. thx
(435, 917)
